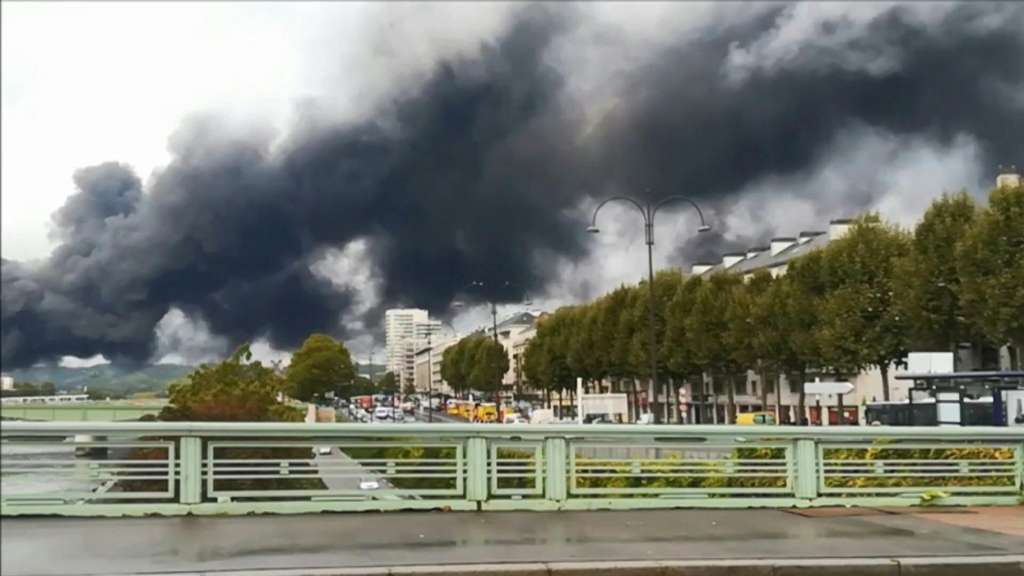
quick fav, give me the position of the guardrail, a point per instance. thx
(116, 469)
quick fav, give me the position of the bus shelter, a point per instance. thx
(967, 398)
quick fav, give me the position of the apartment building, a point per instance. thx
(404, 330)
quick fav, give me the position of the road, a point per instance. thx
(65, 546)
(348, 482)
(422, 416)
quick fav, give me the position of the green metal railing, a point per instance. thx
(82, 411)
(114, 469)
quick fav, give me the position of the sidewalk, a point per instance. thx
(521, 541)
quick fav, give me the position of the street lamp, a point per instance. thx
(430, 370)
(494, 304)
(648, 211)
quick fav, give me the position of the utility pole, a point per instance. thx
(494, 319)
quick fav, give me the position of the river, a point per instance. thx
(17, 475)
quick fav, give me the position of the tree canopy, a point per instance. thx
(320, 365)
(388, 383)
(864, 300)
(990, 264)
(475, 363)
(235, 390)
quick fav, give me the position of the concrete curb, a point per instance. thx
(1008, 565)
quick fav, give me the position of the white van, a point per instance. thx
(543, 416)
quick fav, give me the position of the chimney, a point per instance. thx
(1008, 178)
(838, 228)
(755, 251)
(731, 259)
(808, 235)
(701, 267)
(780, 244)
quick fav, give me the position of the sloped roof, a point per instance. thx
(765, 260)
(520, 319)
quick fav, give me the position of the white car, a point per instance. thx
(383, 413)
(324, 450)
(646, 418)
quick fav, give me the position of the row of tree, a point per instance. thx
(31, 389)
(475, 362)
(243, 389)
(862, 301)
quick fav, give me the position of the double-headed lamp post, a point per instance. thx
(494, 304)
(648, 211)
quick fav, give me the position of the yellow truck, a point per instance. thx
(487, 412)
(755, 418)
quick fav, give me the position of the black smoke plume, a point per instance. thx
(477, 176)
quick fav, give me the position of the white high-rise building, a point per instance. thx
(405, 329)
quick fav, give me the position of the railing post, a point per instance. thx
(476, 469)
(806, 462)
(191, 470)
(1019, 455)
(555, 476)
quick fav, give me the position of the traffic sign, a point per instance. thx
(828, 387)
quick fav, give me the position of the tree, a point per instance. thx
(863, 323)
(749, 344)
(990, 265)
(624, 332)
(236, 390)
(388, 384)
(31, 389)
(545, 360)
(321, 365)
(361, 386)
(409, 389)
(679, 358)
(490, 363)
(928, 281)
(707, 331)
(798, 303)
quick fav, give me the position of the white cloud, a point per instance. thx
(350, 269)
(76, 362)
(866, 170)
(267, 354)
(817, 35)
(184, 340)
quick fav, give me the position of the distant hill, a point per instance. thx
(367, 368)
(121, 379)
(108, 377)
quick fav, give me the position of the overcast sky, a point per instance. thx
(85, 83)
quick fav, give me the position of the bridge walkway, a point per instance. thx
(193, 544)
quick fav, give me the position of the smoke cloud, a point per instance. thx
(484, 171)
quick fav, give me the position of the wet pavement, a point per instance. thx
(43, 546)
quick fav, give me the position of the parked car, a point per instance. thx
(543, 416)
(514, 419)
(646, 418)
